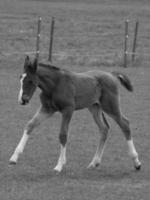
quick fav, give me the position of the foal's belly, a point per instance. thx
(85, 101)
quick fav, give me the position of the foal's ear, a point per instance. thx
(27, 60)
(29, 66)
(27, 63)
(34, 65)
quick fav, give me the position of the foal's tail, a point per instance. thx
(124, 80)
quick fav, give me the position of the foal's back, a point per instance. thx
(96, 78)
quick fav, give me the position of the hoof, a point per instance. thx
(12, 163)
(95, 165)
(138, 167)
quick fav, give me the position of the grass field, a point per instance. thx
(87, 36)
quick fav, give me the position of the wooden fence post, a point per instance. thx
(135, 40)
(126, 42)
(38, 38)
(51, 40)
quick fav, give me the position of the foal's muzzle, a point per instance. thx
(24, 100)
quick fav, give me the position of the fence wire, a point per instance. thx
(64, 53)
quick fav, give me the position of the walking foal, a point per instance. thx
(67, 91)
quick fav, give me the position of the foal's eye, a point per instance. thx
(30, 82)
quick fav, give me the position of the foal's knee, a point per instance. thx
(63, 139)
(29, 127)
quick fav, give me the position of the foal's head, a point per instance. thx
(28, 81)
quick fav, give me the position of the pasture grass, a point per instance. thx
(86, 29)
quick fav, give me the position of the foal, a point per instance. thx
(67, 91)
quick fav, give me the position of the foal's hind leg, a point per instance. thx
(110, 104)
(103, 126)
(34, 122)
(124, 125)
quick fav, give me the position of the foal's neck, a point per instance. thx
(48, 78)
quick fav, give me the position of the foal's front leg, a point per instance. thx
(66, 117)
(39, 117)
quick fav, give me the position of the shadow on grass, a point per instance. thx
(86, 174)
(97, 174)
(25, 174)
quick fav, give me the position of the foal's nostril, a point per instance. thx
(25, 100)
(22, 102)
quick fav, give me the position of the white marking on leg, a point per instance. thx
(62, 159)
(133, 153)
(34, 122)
(132, 150)
(21, 88)
(20, 147)
(103, 129)
(98, 155)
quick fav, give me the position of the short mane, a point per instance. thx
(49, 66)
